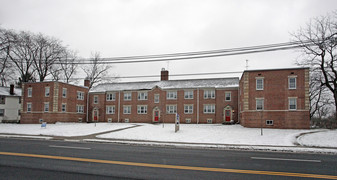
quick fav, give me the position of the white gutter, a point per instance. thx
(198, 106)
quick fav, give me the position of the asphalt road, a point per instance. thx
(38, 159)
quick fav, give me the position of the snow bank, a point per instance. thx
(327, 138)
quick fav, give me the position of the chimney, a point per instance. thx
(86, 82)
(11, 90)
(164, 75)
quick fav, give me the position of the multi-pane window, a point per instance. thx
(292, 103)
(156, 98)
(292, 82)
(30, 92)
(188, 94)
(46, 91)
(95, 99)
(259, 104)
(209, 94)
(127, 96)
(142, 95)
(171, 109)
(227, 96)
(209, 108)
(29, 107)
(46, 107)
(79, 108)
(111, 96)
(110, 110)
(64, 107)
(126, 109)
(171, 94)
(80, 95)
(142, 109)
(64, 92)
(2, 99)
(259, 84)
(2, 112)
(188, 109)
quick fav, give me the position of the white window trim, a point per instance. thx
(30, 107)
(45, 91)
(113, 96)
(211, 106)
(65, 109)
(146, 96)
(30, 89)
(272, 122)
(209, 91)
(80, 95)
(259, 78)
(95, 97)
(230, 96)
(188, 105)
(173, 93)
(139, 108)
(64, 95)
(126, 106)
(290, 98)
(127, 93)
(81, 108)
(168, 111)
(190, 92)
(256, 99)
(112, 108)
(290, 77)
(44, 106)
(156, 95)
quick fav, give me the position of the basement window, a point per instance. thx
(269, 122)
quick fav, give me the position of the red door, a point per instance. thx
(228, 115)
(95, 115)
(156, 116)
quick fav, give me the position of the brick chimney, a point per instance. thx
(11, 89)
(86, 82)
(164, 75)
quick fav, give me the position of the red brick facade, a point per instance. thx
(54, 102)
(276, 96)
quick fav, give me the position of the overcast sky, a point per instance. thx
(141, 27)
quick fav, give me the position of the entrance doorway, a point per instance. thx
(95, 115)
(227, 114)
(156, 115)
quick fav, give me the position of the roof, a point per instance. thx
(294, 68)
(56, 82)
(170, 84)
(4, 91)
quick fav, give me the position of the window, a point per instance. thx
(2, 112)
(46, 91)
(30, 92)
(188, 94)
(171, 109)
(64, 92)
(156, 98)
(171, 94)
(142, 95)
(209, 94)
(2, 100)
(95, 99)
(209, 108)
(259, 84)
(142, 109)
(110, 110)
(269, 122)
(188, 120)
(127, 96)
(80, 95)
(188, 109)
(228, 96)
(64, 108)
(292, 82)
(292, 103)
(259, 104)
(111, 96)
(126, 109)
(209, 121)
(46, 107)
(29, 107)
(79, 108)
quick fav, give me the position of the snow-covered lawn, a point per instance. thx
(327, 138)
(209, 133)
(61, 129)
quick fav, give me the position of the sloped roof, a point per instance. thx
(171, 84)
(4, 91)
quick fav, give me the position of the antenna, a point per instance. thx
(246, 64)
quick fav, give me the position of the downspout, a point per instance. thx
(239, 104)
(87, 114)
(198, 106)
(119, 104)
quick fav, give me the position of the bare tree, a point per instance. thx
(64, 69)
(96, 71)
(319, 41)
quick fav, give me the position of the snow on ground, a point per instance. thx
(327, 138)
(61, 129)
(209, 133)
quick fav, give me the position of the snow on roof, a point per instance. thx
(171, 84)
(4, 91)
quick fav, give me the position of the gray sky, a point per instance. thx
(142, 27)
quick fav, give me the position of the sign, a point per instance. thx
(44, 125)
(177, 122)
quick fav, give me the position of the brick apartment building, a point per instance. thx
(53, 102)
(277, 98)
(269, 98)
